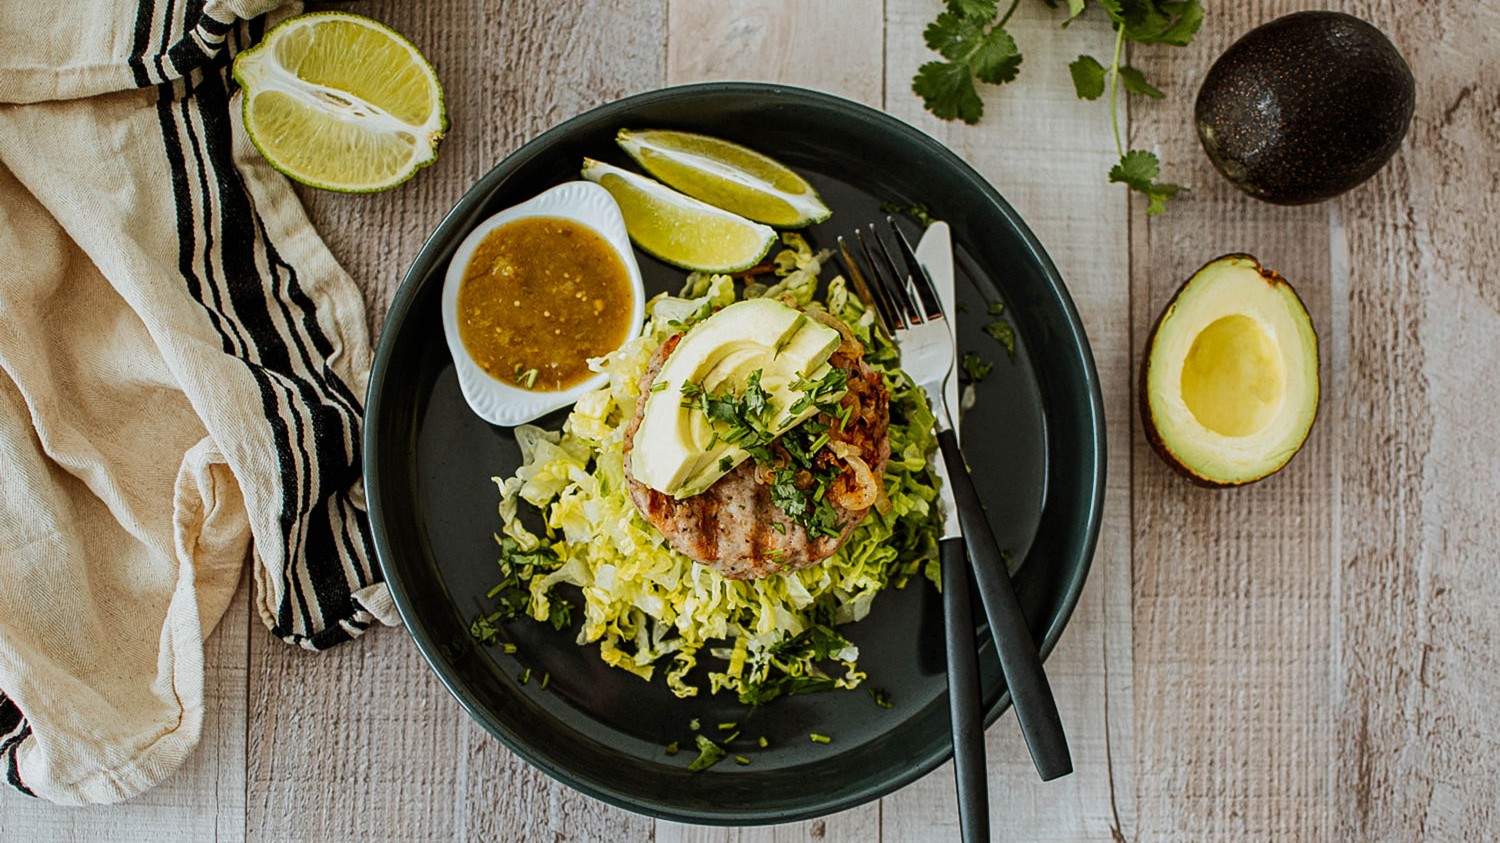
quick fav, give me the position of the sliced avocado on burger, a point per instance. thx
(676, 451)
(1229, 383)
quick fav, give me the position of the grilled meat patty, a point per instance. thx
(729, 525)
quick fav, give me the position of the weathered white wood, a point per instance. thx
(204, 800)
(1048, 153)
(828, 45)
(1418, 670)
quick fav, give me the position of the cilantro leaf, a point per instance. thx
(953, 37)
(1075, 8)
(1181, 32)
(976, 367)
(947, 90)
(1138, 170)
(709, 754)
(1135, 82)
(1088, 77)
(996, 60)
(1001, 331)
(1153, 22)
(995, 308)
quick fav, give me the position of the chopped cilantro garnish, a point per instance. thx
(508, 648)
(709, 754)
(976, 367)
(1004, 334)
(921, 213)
(817, 738)
(742, 760)
(762, 742)
(672, 748)
(694, 724)
(996, 308)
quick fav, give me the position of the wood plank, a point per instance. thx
(828, 45)
(789, 42)
(1048, 153)
(1417, 666)
(1233, 589)
(204, 800)
(362, 742)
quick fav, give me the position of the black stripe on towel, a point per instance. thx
(9, 749)
(263, 315)
(143, 14)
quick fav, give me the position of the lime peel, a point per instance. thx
(727, 175)
(679, 229)
(341, 138)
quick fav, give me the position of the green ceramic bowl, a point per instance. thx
(1035, 439)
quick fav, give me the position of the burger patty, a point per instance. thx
(729, 526)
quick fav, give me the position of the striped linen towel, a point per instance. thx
(182, 365)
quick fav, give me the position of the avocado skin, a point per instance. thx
(1305, 107)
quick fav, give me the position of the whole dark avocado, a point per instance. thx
(1305, 107)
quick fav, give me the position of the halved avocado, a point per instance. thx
(1229, 383)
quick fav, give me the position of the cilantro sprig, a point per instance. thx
(976, 46)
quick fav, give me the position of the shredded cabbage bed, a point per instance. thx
(648, 606)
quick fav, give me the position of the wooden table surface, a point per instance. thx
(1315, 657)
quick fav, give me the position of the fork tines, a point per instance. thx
(903, 293)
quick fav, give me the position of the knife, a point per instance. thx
(1025, 678)
(965, 702)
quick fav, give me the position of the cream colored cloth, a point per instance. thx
(182, 366)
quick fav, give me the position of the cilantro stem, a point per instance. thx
(1008, 13)
(1114, 84)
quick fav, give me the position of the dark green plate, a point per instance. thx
(1035, 439)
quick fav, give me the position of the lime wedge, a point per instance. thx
(679, 229)
(726, 175)
(341, 102)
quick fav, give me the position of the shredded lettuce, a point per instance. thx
(648, 606)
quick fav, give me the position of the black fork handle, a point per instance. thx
(1030, 693)
(965, 701)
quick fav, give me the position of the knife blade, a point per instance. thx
(935, 252)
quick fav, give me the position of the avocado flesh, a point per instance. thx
(1230, 381)
(1305, 107)
(672, 452)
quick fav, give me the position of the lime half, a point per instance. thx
(726, 175)
(679, 229)
(341, 102)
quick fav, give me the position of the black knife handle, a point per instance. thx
(965, 703)
(1030, 693)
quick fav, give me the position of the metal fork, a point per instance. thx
(907, 303)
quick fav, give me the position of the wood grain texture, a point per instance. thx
(1047, 153)
(1233, 589)
(788, 42)
(829, 45)
(1418, 670)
